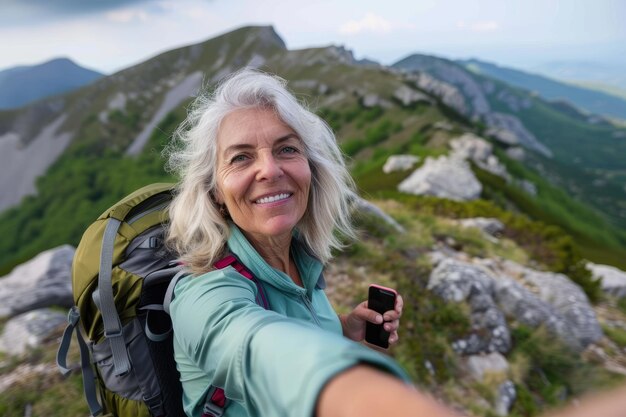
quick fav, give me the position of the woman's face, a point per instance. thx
(263, 175)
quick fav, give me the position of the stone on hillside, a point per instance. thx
(489, 226)
(458, 281)
(519, 303)
(528, 187)
(41, 282)
(478, 150)
(613, 280)
(370, 100)
(470, 146)
(407, 96)
(516, 153)
(29, 330)
(448, 93)
(570, 301)
(367, 207)
(506, 397)
(400, 163)
(443, 125)
(509, 130)
(539, 298)
(531, 297)
(445, 177)
(479, 366)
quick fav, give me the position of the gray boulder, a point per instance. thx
(570, 301)
(534, 298)
(29, 330)
(43, 281)
(457, 281)
(408, 96)
(400, 163)
(490, 226)
(507, 395)
(522, 305)
(369, 208)
(479, 366)
(613, 279)
(445, 177)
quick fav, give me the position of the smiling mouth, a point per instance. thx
(273, 198)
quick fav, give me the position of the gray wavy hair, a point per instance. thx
(197, 231)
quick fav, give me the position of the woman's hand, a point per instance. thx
(353, 324)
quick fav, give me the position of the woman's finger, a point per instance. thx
(391, 315)
(392, 326)
(399, 304)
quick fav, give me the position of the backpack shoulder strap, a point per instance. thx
(231, 260)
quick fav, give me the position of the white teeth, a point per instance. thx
(273, 198)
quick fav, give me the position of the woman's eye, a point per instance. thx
(289, 149)
(238, 158)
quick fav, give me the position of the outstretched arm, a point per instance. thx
(364, 391)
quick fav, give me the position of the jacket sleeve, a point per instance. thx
(272, 364)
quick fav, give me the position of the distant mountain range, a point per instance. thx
(26, 84)
(595, 102)
(74, 154)
(584, 72)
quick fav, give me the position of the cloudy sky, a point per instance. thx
(109, 35)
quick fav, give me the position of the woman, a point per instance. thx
(262, 178)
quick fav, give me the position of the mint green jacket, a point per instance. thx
(269, 362)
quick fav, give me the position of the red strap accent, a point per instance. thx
(219, 398)
(232, 261)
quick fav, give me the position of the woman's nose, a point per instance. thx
(268, 168)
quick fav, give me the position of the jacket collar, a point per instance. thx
(310, 268)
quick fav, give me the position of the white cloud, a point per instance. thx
(126, 15)
(483, 26)
(370, 23)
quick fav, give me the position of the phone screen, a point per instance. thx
(380, 299)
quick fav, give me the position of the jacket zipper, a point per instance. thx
(309, 306)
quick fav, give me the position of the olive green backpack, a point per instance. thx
(123, 280)
(120, 274)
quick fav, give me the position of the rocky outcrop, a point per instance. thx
(531, 297)
(613, 279)
(510, 130)
(365, 206)
(43, 281)
(183, 90)
(400, 163)
(21, 164)
(447, 93)
(491, 227)
(408, 96)
(445, 177)
(460, 281)
(29, 330)
(478, 150)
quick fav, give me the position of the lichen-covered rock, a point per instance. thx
(444, 177)
(29, 330)
(570, 301)
(400, 163)
(490, 226)
(496, 289)
(460, 281)
(506, 397)
(613, 279)
(479, 366)
(43, 281)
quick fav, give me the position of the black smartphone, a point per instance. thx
(380, 299)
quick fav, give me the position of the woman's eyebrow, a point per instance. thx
(246, 146)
